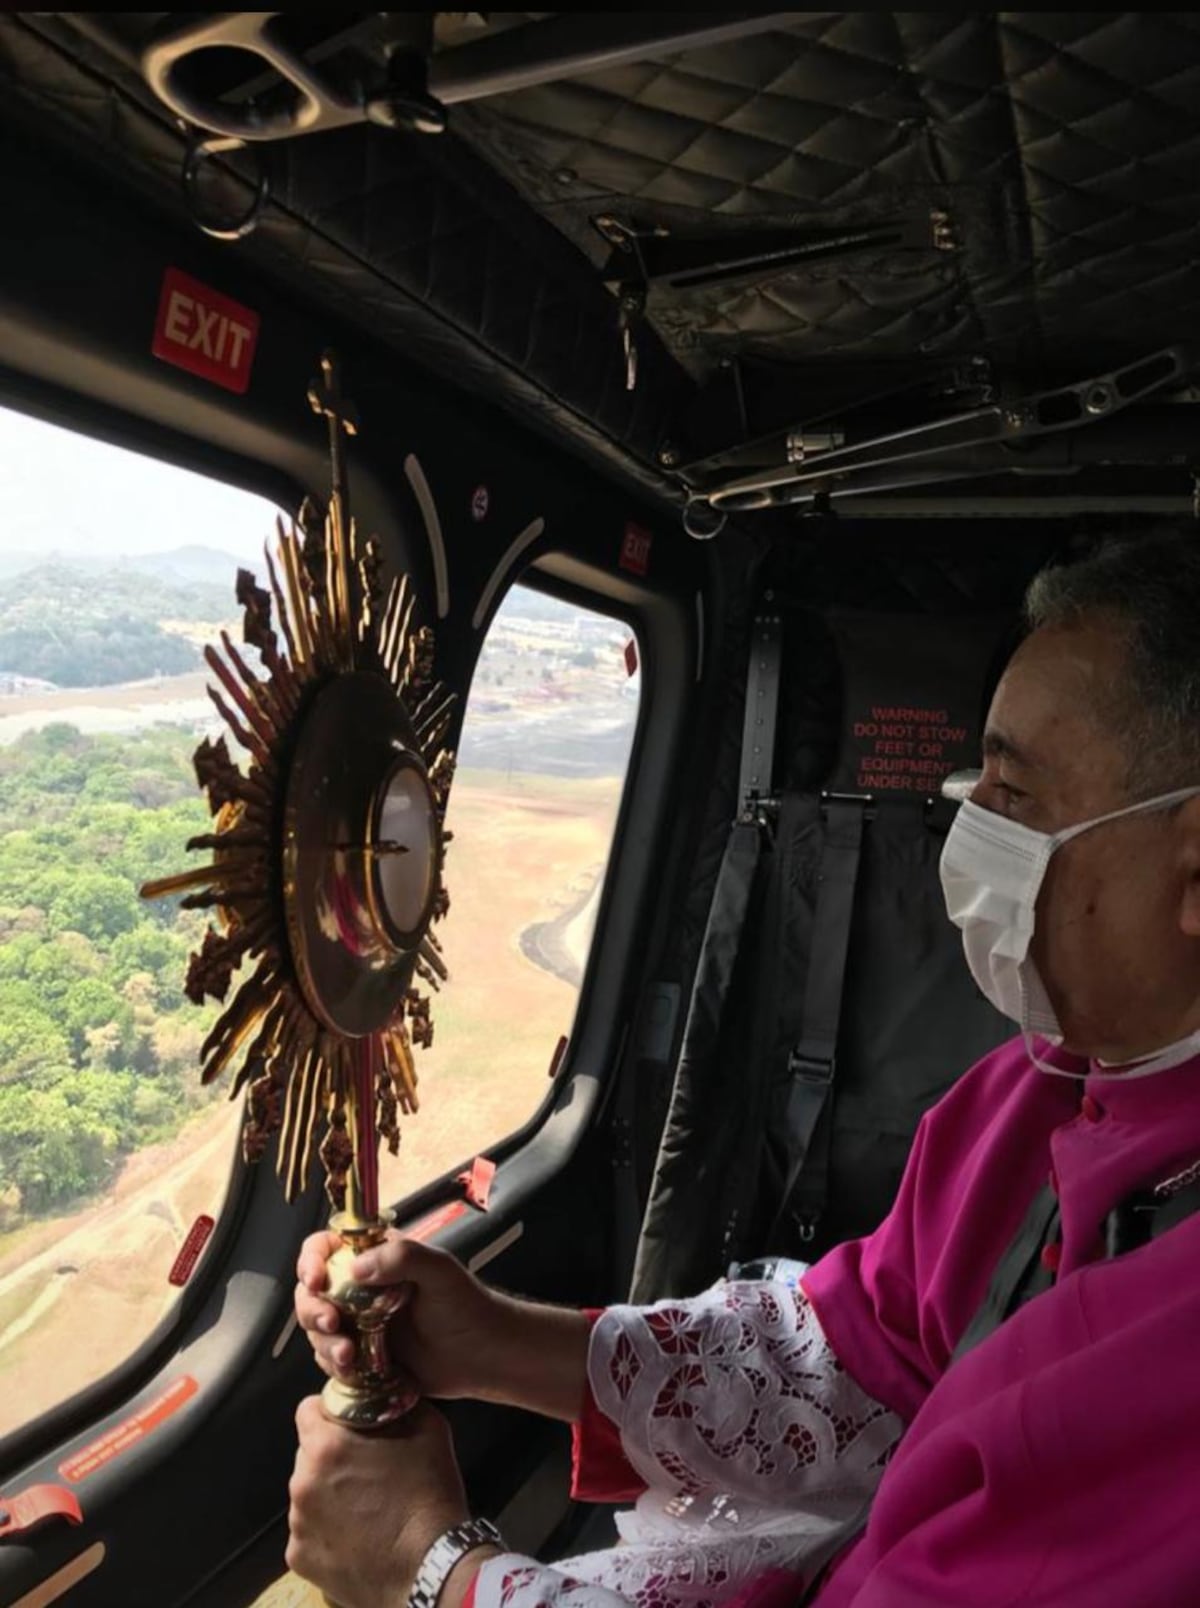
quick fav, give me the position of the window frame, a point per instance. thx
(545, 1142)
(671, 655)
(502, 1148)
(69, 411)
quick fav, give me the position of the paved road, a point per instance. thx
(559, 945)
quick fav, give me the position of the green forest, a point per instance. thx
(73, 629)
(98, 1046)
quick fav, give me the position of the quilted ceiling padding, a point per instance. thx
(1064, 146)
(417, 240)
(1037, 172)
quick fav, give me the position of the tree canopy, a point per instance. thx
(98, 1046)
(74, 629)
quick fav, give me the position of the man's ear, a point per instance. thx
(1189, 862)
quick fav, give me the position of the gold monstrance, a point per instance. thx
(326, 874)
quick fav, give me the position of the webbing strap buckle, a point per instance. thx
(819, 1069)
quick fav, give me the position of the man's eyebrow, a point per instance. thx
(998, 746)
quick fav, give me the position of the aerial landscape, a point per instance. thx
(109, 1147)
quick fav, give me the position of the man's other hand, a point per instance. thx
(365, 1509)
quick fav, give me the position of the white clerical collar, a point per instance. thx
(1163, 1060)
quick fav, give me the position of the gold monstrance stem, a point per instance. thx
(373, 1396)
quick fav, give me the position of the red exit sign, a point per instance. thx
(635, 549)
(204, 332)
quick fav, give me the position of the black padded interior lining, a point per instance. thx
(1063, 146)
(912, 1020)
(1058, 148)
(418, 242)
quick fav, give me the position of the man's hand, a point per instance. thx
(365, 1509)
(453, 1336)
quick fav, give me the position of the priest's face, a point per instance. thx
(1117, 932)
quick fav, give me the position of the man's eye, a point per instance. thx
(1013, 795)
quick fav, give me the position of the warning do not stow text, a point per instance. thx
(905, 750)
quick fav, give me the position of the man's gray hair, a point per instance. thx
(1149, 589)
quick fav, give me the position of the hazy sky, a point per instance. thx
(65, 492)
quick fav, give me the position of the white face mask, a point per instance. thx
(992, 869)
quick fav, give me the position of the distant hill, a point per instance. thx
(53, 589)
(93, 628)
(190, 563)
(82, 620)
(207, 565)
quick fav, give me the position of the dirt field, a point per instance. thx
(128, 706)
(63, 701)
(79, 1293)
(524, 850)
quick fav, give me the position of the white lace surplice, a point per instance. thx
(758, 1450)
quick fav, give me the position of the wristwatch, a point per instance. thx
(445, 1552)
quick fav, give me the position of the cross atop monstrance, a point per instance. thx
(328, 401)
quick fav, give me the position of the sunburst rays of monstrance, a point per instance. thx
(325, 873)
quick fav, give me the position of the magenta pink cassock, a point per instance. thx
(1057, 1464)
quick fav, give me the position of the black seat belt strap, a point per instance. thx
(812, 1062)
(735, 884)
(762, 711)
(1020, 1275)
(1148, 1215)
(1175, 1208)
(735, 880)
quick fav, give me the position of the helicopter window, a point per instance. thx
(541, 763)
(115, 569)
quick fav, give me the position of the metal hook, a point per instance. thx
(202, 147)
(701, 521)
(631, 305)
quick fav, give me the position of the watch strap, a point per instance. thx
(442, 1556)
